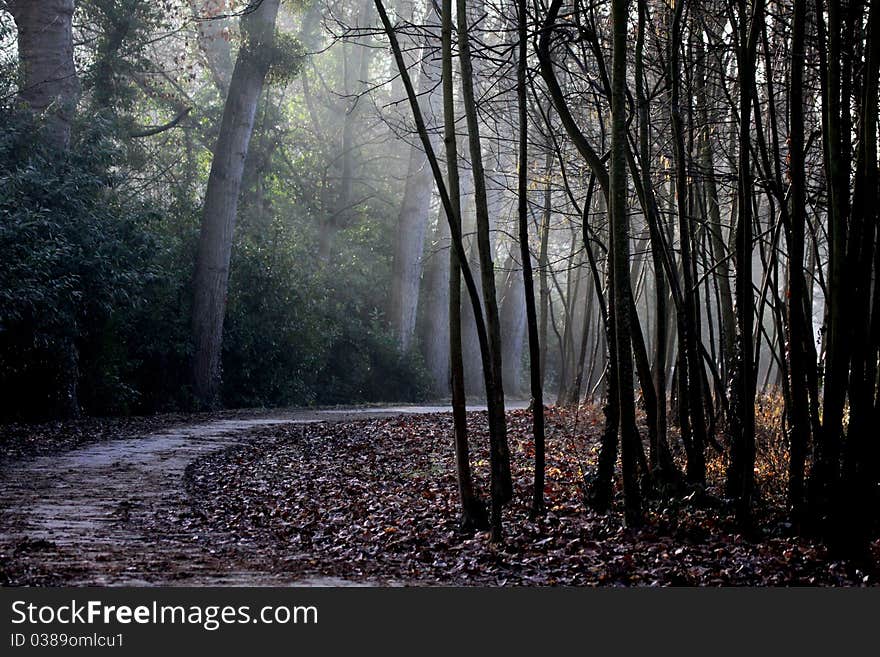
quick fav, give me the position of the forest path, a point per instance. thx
(109, 514)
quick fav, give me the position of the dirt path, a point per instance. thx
(109, 513)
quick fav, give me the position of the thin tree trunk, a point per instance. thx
(798, 327)
(498, 450)
(434, 336)
(629, 436)
(535, 383)
(544, 264)
(662, 464)
(691, 392)
(575, 397)
(473, 511)
(502, 486)
(513, 327)
(741, 470)
(715, 228)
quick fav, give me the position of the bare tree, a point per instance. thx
(629, 435)
(535, 375)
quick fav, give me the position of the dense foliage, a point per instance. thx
(77, 269)
(99, 243)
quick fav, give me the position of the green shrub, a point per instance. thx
(95, 289)
(74, 253)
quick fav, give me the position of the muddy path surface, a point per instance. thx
(109, 514)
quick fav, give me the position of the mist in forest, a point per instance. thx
(339, 251)
(667, 211)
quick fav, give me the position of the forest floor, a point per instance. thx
(103, 501)
(360, 497)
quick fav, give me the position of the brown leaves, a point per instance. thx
(377, 500)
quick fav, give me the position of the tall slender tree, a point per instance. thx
(629, 435)
(798, 326)
(692, 375)
(502, 483)
(473, 511)
(498, 451)
(741, 470)
(535, 383)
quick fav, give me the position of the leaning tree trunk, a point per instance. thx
(221, 199)
(48, 85)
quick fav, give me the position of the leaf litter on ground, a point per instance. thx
(376, 500)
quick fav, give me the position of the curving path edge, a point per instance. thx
(108, 514)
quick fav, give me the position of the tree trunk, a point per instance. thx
(409, 239)
(629, 436)
(856, 512)
(355, 67)
(691, 392)
(825, 472)
(497, 437)
(221, 200)
(48, 84)
(513, 327)
(544, 264)
(741, 470)
(535, 384)
(715, 228)
(600, 490)
(662, 465)
(798, 325)
(473, 511)
(49, 87)
(502, 486)
(434, 335)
